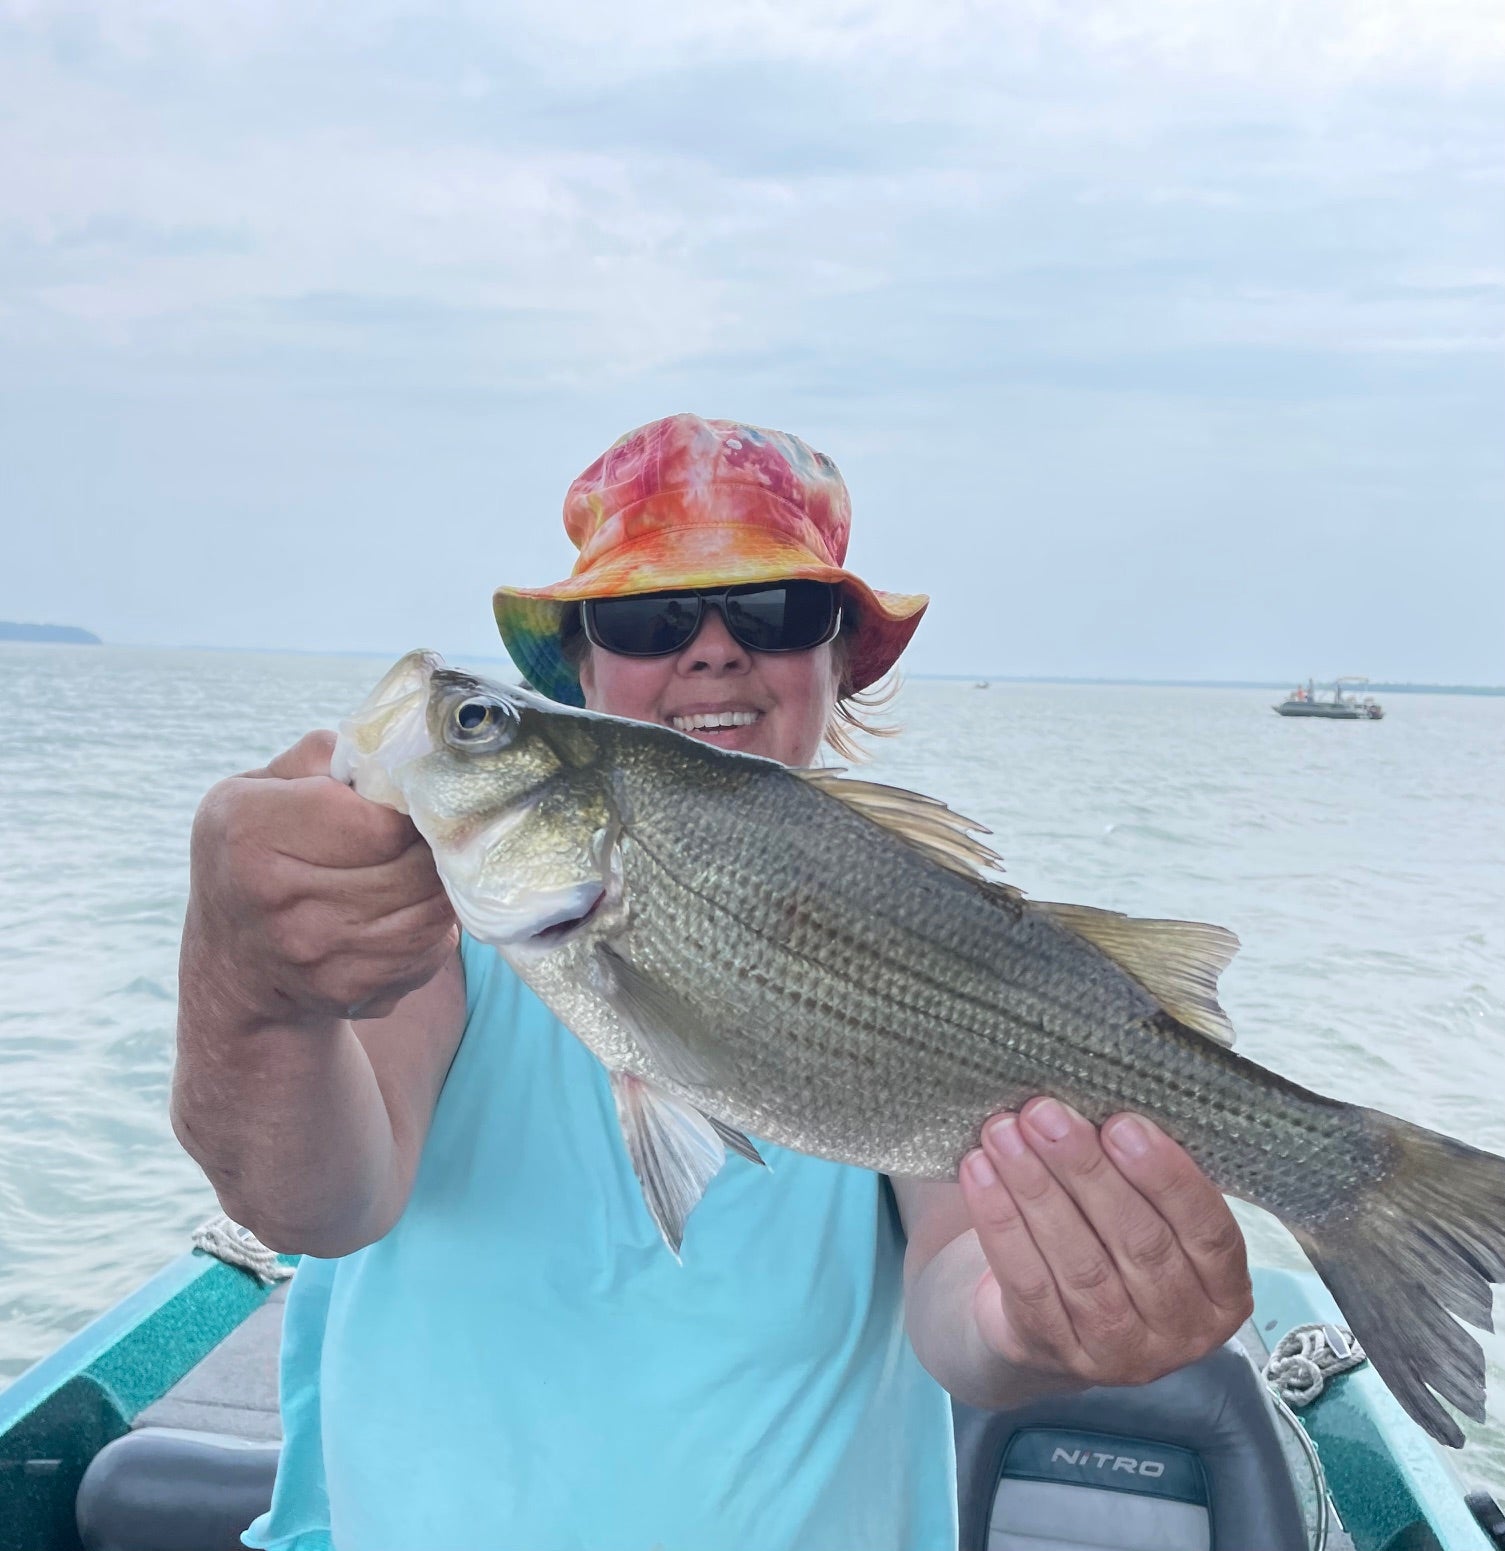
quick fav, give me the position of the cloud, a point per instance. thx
(1154, 242)
(1275, 43)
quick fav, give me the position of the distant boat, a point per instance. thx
(1339, 707)
(981, 684)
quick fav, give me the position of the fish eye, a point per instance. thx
(479, 722)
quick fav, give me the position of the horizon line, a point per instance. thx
(979, 677)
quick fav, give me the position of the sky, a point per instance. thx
(1154, 338)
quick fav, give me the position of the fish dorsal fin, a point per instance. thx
(1177, 962)
(925, 823)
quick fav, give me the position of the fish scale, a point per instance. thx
(826, 964)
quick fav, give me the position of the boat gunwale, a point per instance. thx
(99, 1381)
(1366, 1442)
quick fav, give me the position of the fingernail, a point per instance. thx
(1129, 1136)
(980, 1169)
(1003, 1136)
(1050, 1119)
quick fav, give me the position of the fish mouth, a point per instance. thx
(388, 730)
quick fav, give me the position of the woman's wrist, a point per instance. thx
(941, 1317)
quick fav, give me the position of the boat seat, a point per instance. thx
(1192, 1461)
(168, 1489)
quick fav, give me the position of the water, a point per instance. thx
(1363, 865)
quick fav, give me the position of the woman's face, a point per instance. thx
(778, 702)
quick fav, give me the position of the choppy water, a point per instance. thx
(1363, 865)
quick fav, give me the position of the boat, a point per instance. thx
(1341, 707)
(156, 1428)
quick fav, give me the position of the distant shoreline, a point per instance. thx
(65, 635)
(72, 633)
(1375, 687)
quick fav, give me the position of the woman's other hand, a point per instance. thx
(1111, 1257)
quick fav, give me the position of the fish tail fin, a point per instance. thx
(1424, 1244)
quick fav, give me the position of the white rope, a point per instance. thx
(238, 1246)
(1305, 1359)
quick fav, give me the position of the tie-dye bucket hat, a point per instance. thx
(684, 503)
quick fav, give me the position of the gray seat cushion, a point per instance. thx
(161, 1489)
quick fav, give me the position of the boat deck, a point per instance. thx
(234, 1389)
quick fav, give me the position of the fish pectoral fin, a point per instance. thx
(668, 1030)
(675, 1150)
(925, 823)
(1177, 962)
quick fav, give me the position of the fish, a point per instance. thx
(836, 966)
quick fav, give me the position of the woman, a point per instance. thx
(488, 1345)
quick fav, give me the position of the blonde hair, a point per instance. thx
(856, 711)
(854, 714)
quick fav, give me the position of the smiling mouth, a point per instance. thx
(713, 721)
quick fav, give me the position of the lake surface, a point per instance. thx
(1362, 864)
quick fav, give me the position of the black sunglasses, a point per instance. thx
(791, 616)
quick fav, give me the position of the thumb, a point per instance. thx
(309, 756)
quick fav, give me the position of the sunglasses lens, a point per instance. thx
(786, 617)
(644, 626)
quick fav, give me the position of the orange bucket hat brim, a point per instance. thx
(688, 503)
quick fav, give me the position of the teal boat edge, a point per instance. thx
(1393, 1490)
(58, 1414)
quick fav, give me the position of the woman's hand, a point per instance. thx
(1111, 1258)
(307, 902)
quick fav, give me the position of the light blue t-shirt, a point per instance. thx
(521, 1365)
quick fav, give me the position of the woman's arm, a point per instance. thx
(321, 1000)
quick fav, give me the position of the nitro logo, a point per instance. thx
(1150, 1468)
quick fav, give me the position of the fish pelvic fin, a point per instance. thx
(1177, 962)
(925, 823)
(675, 1151)
(1423, 1245)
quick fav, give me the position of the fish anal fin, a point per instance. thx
(1177, 962)
(925, 823)
(675, 1151)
